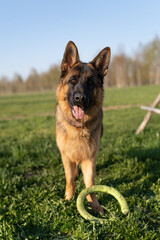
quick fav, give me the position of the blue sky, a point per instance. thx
(34, 33)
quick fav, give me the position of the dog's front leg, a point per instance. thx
(69, 168)
(88, 169)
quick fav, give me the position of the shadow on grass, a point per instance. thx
(143, 175)
(38, 231)
(151, 159)
(143, 154)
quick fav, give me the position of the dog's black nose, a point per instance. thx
(79, 97)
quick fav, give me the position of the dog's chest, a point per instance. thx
(78, 145)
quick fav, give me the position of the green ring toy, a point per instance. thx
(100, 188)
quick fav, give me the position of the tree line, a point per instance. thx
(143, 68)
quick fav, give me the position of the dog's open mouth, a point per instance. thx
(77, 112)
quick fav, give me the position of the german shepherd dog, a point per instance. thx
(79, 117)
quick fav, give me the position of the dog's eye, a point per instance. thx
(73, 80)
(90, 81)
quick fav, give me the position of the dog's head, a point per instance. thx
(81, 84)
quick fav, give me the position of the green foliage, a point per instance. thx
(32, 181)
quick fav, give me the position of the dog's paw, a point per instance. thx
(97, 208)
(68, 196)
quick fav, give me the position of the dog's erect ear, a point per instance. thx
(101, 62)
(70, 56)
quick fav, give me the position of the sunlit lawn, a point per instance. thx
(32, 181)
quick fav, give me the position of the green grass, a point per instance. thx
(32, 181)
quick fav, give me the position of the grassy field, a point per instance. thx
(32, 181)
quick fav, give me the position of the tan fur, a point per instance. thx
(78, 145)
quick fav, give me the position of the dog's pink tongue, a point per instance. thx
(78, 112)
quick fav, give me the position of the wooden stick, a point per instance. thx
(148, 115)
(156, 110)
